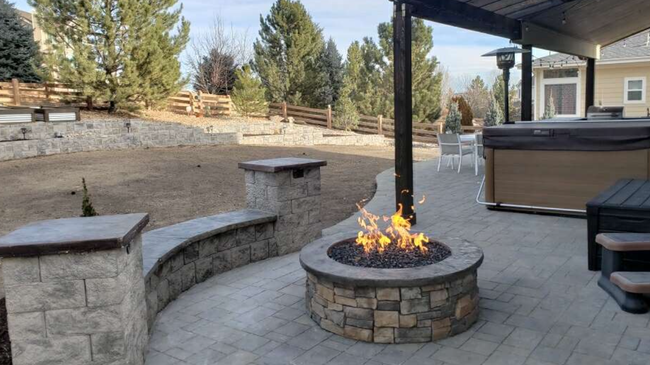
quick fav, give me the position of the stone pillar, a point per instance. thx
(290, 188)
(75, 291)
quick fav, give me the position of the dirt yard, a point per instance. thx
(175, 184)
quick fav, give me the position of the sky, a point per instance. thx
(345, 21)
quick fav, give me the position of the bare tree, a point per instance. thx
(215, 55)
(447, 91)
(476, 93)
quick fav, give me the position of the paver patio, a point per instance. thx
(539, 303)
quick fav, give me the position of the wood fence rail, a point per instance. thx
(422, 132)
(16, 93)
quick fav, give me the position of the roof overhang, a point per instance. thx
(576, 27)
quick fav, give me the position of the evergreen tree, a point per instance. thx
(87, 209)
(116, 50)
(478, 96)
(331, 69)
(549, 108)
(498, 90)
(493, 116)
(377, 83)
(248, 93)
(465, 110)
(287, 54)
(452, 122)
(19, 54)
(346, 114)
(216, 74)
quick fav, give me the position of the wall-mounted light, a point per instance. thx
(128, 127)
(24, 131)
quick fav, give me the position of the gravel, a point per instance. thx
(350, 253)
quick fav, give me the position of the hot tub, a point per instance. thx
(558, 166)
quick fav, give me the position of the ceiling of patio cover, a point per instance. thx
(595, 22)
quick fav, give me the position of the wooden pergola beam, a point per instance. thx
(462, 15)
(403, 80)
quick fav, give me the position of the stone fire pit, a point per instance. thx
(418, 304)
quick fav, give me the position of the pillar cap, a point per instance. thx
(281, 164)
(69, 235)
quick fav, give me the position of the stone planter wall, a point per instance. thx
(394, 315)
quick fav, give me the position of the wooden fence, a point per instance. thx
(422, 132)
(52, 94)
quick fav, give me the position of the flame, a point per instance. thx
(397, 233)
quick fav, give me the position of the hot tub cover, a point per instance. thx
(616, 135)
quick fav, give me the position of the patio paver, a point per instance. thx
(539, 303)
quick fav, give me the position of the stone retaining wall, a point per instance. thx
(394, 315)
(101, 135)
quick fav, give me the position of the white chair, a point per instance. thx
(451, 146)
(478, 152)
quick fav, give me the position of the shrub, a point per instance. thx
(453, 120)
(346, 115)
(549, 109)
(493, 116)
(87, 209)
(248, 94)
(465, 110)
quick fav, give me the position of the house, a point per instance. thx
(622, 74)
(40, 36)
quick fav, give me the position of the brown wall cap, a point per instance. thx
(281, 164)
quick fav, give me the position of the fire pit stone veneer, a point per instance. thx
(419, 304)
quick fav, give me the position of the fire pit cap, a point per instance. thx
(281, 164)
(465, 257)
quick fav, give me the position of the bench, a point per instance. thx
(627, 288)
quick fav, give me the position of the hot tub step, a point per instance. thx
(632, 282)
(623, 242)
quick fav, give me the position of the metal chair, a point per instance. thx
(451, 146)
(478, 152)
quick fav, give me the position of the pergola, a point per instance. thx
(575, 27)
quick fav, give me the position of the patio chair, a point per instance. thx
(478, 152)
(451, 146)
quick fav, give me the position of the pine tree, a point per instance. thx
(287, 54)
(87, 209)
(19, 54)
(248, 93)
(498, 90)
(116, 50)
(346, 114)
(493, 116)
(452, 122)
(549, 108)
(377, 83)
(478, 96)
(331, 69)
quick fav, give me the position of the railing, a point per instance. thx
(17, 93)
(422, 132)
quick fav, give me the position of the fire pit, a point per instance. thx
(391, 286)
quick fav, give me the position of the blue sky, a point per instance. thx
(349, 20)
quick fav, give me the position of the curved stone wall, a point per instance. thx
(179, 256)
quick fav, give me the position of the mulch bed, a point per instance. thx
(350, 253)
(5, 345)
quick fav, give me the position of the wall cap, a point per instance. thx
(281, 164)
(70, 235)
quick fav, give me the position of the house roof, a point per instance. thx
(630, 48)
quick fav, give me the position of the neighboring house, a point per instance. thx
(40, 36)
(622, 75)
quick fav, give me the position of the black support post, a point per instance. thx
(506, 93)
(403, 110)
(527, 84)
(590, 84)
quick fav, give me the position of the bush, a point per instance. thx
(465, 110)
(248, 94)
(493, 116)
(346, 115)
(87, 209)
(453, 120)
(549, 109)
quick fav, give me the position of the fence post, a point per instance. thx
(284, 110)
(200, 99)
(329, 117)
(190, 97)
(380, 124)
(16, 86)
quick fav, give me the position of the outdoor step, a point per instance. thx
(624, 241)
(632, 282)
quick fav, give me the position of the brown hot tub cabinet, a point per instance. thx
(560, 166)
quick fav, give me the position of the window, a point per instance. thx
(564, 98)
(560, 87)
(635, 90)
(560, 73)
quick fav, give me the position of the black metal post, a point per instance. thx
(506, 93)
(590, 84)
(403, 110)
(527, 83)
